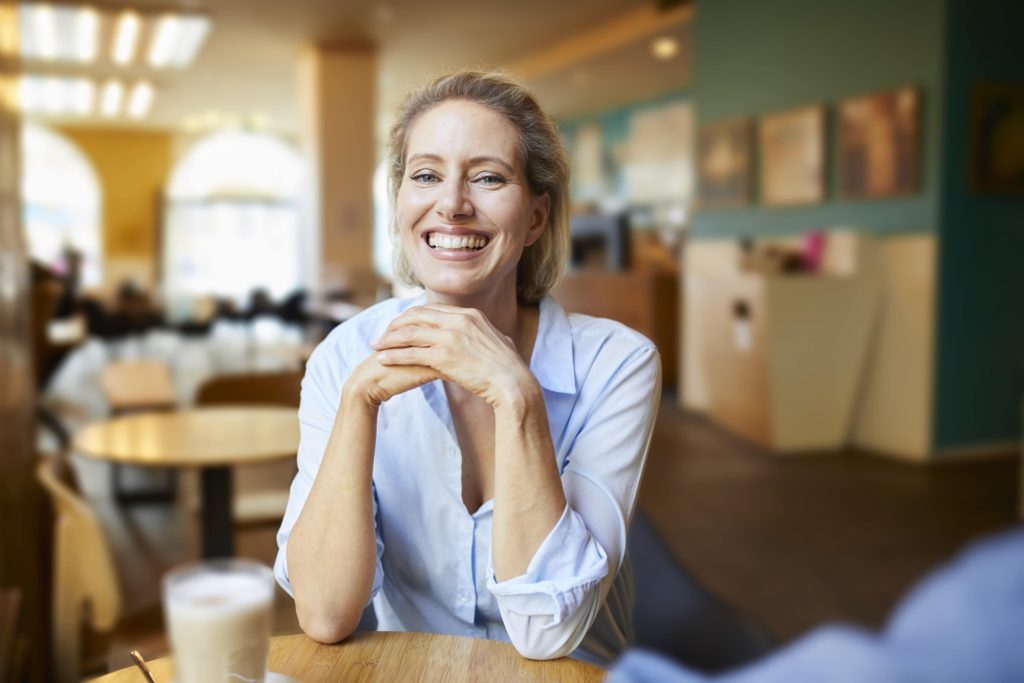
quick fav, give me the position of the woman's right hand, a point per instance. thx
(377, 383)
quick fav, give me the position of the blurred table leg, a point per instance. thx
(218, 533)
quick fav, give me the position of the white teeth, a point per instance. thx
(435, 239)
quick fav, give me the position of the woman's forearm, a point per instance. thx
(528, 496)
(332, 547)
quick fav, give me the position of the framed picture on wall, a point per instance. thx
(878, 144)
(725, 164)
(997, 139)
(792, 151)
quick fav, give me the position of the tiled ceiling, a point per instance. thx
(247, 67)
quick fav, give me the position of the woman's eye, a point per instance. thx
(490, 179)
(425, 177)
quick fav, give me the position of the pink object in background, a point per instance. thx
(814, 250)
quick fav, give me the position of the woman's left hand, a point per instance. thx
(462, 345)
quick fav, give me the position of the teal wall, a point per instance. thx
(753, 57)
(980, 350)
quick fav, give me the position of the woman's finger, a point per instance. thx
(439, 315)
(397, 379)
(413, 335)
(410, 355)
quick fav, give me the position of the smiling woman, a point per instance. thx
(470, 459)
(520, 145)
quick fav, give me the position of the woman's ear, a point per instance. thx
(539, 218)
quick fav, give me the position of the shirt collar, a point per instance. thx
(552, 359)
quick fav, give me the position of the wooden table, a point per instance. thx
(212, 439)
(391, 656)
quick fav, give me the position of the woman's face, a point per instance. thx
(464, 209)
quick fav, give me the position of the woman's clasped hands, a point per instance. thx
(438, 341)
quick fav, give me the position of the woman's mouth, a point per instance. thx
(437, 240)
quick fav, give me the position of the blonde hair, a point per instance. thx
(541, 151)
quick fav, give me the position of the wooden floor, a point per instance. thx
(792, 542)
(796, 542)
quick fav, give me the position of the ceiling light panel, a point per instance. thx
(83, 96)
(141, 100)
(177, 40)
(165, 41)
(193, 33)
(54, 32)
(59, 32)
(126, 37)
(111, 98)
(87, 30)
(56, 95)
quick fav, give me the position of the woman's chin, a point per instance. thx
(454, 290)
(459, 286)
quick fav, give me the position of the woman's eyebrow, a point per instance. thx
(426, 156)
(494, 160)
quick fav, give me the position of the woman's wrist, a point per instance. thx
(516, 397)
(355, 395)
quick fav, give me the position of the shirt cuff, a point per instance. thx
(281, 569)
(568, 563)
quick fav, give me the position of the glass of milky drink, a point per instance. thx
(218, 615)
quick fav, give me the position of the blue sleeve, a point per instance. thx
(963, 623)
(321, 391)
(548, 610)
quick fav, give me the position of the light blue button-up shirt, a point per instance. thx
(601, 384)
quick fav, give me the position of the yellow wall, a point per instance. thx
(133, 167)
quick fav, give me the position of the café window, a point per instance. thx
(61, 202)
(231, 219)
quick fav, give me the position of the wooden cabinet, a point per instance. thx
(646, 301)
(783, 356)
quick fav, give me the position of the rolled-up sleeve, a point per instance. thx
(321, 391)
(548, 610)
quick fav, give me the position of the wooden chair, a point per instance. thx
(261, 491)
(89, 620)
(85, 587)
(133, 386)
(676, 616)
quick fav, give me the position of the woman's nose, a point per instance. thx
(454, 202)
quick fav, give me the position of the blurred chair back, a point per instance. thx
(261, 388)
(85, 583)
(131, 385)
(676, 616)
(261, 490)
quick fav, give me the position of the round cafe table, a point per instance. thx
(393, 656)
(212, 439)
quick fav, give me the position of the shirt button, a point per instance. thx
(464, 596)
